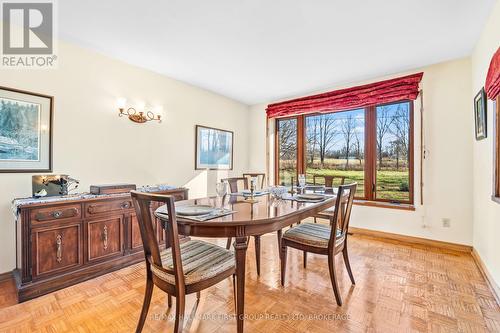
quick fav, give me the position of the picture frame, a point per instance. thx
(26, 121)
(480, 115)
(213, 148)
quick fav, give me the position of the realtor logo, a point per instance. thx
(28, 34)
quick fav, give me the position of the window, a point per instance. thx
(393, 152)
(372, 146)
(286, 140)
(335, 145)
(497, 151)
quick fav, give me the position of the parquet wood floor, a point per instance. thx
(400, 288)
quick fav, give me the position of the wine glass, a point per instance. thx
(221, 189)
(302, 180)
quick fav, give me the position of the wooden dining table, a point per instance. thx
(265, 215)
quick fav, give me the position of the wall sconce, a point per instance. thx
(137, 116)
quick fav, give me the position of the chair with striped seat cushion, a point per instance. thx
(314, 234)
(200, 261)
(328, 240)
(181, 269)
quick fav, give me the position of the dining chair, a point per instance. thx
(329, 181)
(261, 176)
(234, 188)
(180, 269)
(327, 240)
(234, 183)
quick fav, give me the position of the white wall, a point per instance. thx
(486, 212)
(447, 170)
(93, 144)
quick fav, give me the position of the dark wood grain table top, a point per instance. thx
(265, 210)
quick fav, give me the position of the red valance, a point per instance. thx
(387, 91)
(492, 85)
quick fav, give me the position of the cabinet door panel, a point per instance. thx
(56, 248)
(160, 232)
(135, 233)
(105, 238)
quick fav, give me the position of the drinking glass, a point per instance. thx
(302, 180)
(221, 189)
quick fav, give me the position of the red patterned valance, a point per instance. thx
(492, 85)
(392, 90)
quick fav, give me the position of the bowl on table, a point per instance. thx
(278, 192)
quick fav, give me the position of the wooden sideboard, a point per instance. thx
(62, 243)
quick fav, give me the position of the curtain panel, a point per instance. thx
(492, 85)
(401, 88)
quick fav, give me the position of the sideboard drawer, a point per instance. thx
(56, 213)
(56, 249)
(111, 206)
(104, 238)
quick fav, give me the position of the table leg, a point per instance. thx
(279, 234)
(240, 247)
(257, 253)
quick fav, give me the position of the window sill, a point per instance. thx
(495, 199)
(385, 205)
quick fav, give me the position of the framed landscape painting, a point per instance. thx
(480, 115)
(25, 131)
(214, 149)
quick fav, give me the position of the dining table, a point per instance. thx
(248, 217)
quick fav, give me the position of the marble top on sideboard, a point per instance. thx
(20, 202)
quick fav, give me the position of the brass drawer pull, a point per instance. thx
(57, 214)
(105, 237)
(59, 248)
(125, 205)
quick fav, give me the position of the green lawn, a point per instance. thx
(389, 183)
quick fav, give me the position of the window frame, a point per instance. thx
(304, 167)
(370, 172)
(411, 162)
(277, 151)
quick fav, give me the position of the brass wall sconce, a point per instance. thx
(137, 116)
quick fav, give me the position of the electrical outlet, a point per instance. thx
(446, 222)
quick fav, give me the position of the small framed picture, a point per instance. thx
(480, 115)
(25, 131)
(214, 149)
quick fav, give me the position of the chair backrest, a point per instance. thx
(142, 203)
(342, 213)
(261, 176)
(233, 183)
(329, 179)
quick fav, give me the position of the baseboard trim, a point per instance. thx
(411, 239)
(487, 275)
(6, 276)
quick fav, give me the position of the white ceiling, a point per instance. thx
(263, 50)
